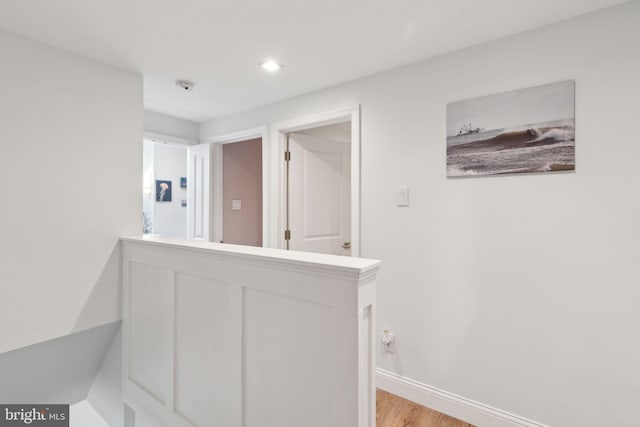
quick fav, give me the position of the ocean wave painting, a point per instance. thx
(526, 131)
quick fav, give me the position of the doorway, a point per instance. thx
(239, 187)
(318, 189)
(340, 126)
(242, 193)
(316, 203)
(164, 198)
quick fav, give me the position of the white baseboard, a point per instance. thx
(458, 407)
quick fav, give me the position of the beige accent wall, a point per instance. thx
(242, 180)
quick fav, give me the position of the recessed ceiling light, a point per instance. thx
(271, 65)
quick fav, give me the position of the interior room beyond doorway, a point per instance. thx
(164, 194)
(242, 193)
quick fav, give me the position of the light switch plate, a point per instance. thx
(403, 196)
(236, 205)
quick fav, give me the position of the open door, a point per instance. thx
(319, 195)
(198, 192)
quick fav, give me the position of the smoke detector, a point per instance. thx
(184, 84)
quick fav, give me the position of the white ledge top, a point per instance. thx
(361, 265)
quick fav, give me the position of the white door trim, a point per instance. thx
(168, 139)
(277, 177)
(217, 174)
(198, 192)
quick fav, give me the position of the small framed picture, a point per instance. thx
(183, 203)
(183, 182)
(163, 191)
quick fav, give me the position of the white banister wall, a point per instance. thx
(225, 335)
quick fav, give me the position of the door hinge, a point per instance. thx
(287, 234)
(287, 156)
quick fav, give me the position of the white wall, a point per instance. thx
(61, 370)
(181, 130)
(83, 414)
(340, 132)
(519, 292)
(105, 395)
(170, 164)
(70, 156)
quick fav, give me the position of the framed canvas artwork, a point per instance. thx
(163, 191)
(526, 131)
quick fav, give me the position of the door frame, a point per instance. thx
(278, 137)
(160, 138)
(217, 175)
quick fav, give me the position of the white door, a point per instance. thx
(319, 199)
(198, 192)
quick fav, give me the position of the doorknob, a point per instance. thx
(347, 245)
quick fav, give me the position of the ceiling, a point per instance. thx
(217, 44)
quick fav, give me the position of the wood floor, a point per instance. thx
(394, 411)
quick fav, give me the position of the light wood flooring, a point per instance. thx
(394, 411)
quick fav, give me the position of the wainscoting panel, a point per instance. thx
(207, 351)
(223, 335)
(284, 359)
(150, 351)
